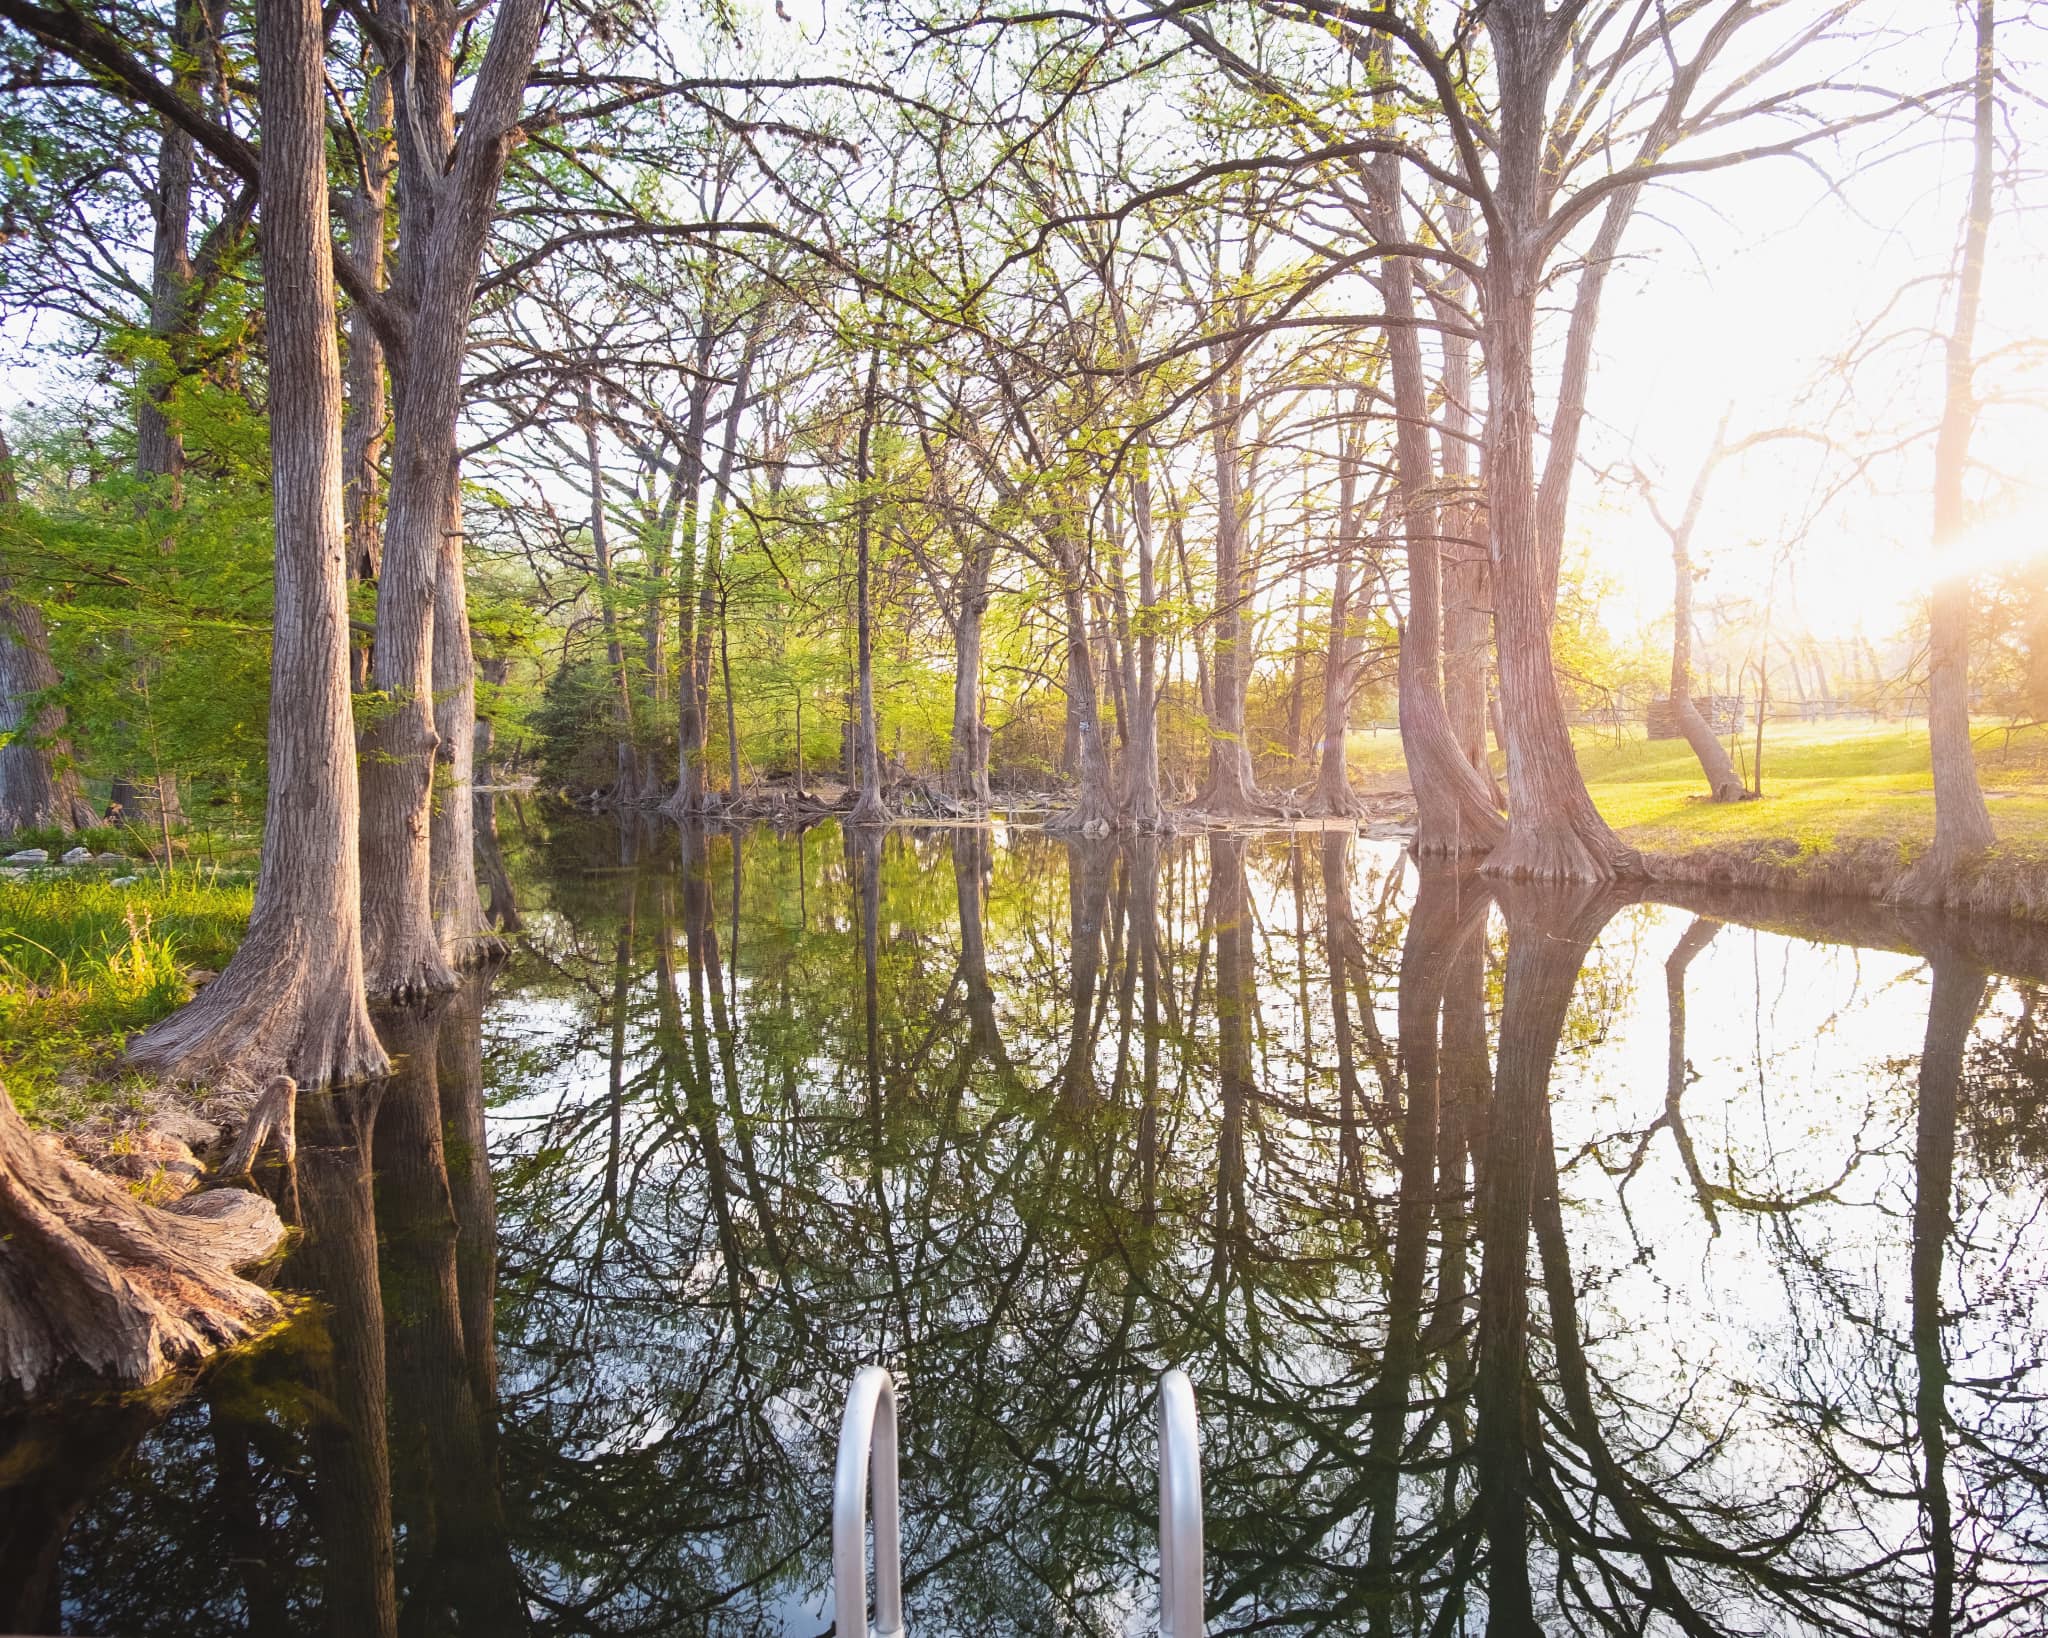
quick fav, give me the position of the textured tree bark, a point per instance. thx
(1454, 811)
(1962, 823)
(1722, 779)
(1232, 789)
(364, 400)
(465, 933)
(1094, 810)
(870, 808)
(96, 1286)
(625, 774)
(1554, 831)
(1143, 809)
(446, 196)
(1467, 594)
(38, 782)
(711, 589)
(688, 797)
(159, 450)
(503, 905)
(291, 999)
(1334, 795)
(967, 759)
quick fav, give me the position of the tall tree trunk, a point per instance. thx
(688, 796)
(1722, 779)
(1334, 795)
(711, 589)
(1143, 810)
(1454, 811)
(159, 450)
(1232, 787)
(626, 772)
(38, 783)
(457, 907)
(967, 759)
(1962, 823)
(1554, 831)
(364, 402)
(869, 809)
(1094, 809)
(447, 193)
(291, 999)
(503, 907)
(1467, 593)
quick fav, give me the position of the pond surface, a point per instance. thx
(1543, 1261)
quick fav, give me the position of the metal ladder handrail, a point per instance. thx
(870, 1408)
(1180, 1510)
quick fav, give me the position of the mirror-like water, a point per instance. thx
(1542, 1261)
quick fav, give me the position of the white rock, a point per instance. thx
(30, 856)
(78, 855)
(126, 881)
(110, 858)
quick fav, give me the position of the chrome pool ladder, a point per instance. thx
(867, 1467)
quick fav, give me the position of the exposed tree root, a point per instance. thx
(95, 1284)
(1562, 852)
(273, 1012)
(276, 1116)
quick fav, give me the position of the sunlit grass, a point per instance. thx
(1823, 784)
(84, 964)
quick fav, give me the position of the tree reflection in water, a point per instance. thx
(1544, 1263)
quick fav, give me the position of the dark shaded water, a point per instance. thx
(1548, 1258)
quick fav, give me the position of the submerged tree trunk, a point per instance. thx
(1956, 999)
(336, 1263)
(1962, 823)
(364, 400)
(291, 999)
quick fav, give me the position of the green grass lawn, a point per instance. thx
(1823, 784)
(84, 964)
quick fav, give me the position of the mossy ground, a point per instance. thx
(84, 964)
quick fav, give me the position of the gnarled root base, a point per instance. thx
(267, 1015)
(1559, 853)
(97, 1285)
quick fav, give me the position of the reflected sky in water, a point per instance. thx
(1543, 1261)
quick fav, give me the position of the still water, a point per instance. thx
(1541, 1259)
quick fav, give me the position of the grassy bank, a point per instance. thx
(1845, 809)
(83, 964)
